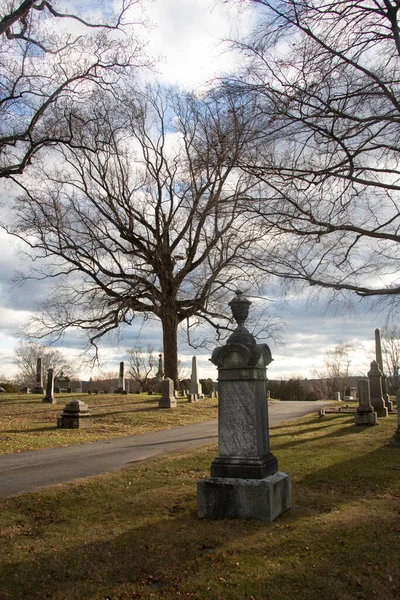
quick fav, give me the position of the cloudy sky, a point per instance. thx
(187, 35)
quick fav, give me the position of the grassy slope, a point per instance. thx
(28, 424)
(135, 534)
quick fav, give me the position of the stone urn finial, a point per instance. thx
(240, 307)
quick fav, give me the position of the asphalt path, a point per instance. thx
(36, 469)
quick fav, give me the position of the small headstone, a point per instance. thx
(192, 398)
(75, 415)
(167, 399)
(49, 397)
(321, 413)
(353, 393)
(365, 414)
(337, 396)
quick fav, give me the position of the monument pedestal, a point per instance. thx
(167, 399)
(75, 415)
(234, 498)
(395, 440)
(365, 418)
(365, 414)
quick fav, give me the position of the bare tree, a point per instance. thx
(50, 59)
(150, 224)
(334, 376)
(324, 78)
(142, 366)
(391, 355)
(26, 355)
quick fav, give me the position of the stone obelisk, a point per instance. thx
(49, 397)
(121, 379)
(38, 389)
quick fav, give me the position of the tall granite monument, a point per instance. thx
(245, 481)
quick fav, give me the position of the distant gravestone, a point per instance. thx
(167, 399)
(337, 396)
(38, 389)
(375, 383)
(353, 393)
(245, 481)
(49, 397)
(195, 385)
(121, 378)
(365, 414)
(75, 415)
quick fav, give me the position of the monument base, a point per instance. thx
(365, 418)
(395, 440)
(38, 390)
(49, 400)
(74, 422)
(167, 402)
(229, 498)
(381, 412)
(388, 403)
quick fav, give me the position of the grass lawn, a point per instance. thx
(26, 423)
(135, 533)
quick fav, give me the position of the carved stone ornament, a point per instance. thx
(241, 349)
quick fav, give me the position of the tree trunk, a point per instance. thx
(169, 323)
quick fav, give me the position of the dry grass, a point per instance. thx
(135, 533)
(26, 423)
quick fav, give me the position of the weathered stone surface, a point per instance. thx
(38, 389)
(75, 415)
(121, 378)
(49, 397)
(375, 382)
(195, 385)
(365, 414)
(235, 498)
(167, 399)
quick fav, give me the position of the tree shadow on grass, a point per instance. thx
(177, 555)
(31, 429)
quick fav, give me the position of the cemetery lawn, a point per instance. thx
(135, 533)
(26, 423)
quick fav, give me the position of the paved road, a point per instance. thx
(27, 471)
